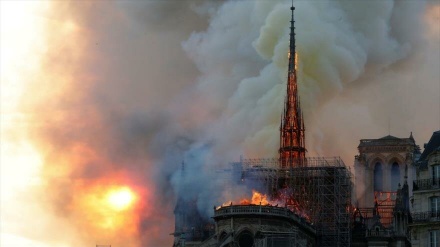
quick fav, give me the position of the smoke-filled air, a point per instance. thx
(111, 110)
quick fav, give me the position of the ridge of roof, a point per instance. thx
(431, 146)
(388, 137)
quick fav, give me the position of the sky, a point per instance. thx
(102, 101)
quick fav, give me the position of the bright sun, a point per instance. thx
(121, 199)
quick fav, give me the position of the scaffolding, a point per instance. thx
(264, 174)
(320, 191)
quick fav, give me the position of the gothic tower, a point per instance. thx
(292, 140)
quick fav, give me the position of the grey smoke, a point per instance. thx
(346, 49)
(204, 82)
(343, 46)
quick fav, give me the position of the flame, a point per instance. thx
(283, 199)
(121, 198)
(257, 198)
(108, 206)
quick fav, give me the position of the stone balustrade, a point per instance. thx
(263, 210)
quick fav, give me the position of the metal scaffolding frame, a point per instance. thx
(323, 191)
(264, 173)
(320, 191)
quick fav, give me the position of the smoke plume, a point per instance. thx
(127, 91)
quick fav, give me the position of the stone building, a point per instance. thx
(380, 168)
(368, 229)
(383, 168)
(261, 226)
(254, 226)
(425, 226)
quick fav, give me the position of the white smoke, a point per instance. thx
(155, 83)
(343, 46)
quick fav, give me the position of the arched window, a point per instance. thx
(395, 176)
(378, 177)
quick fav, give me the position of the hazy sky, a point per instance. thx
(101, 101)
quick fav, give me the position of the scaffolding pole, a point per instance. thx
(320, 191)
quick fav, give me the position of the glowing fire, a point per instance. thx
(108, 205)
(284, 200)
(257, 198)
(121, 198)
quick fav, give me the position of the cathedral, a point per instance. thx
(317, 201)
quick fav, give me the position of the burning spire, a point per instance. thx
(292, 139)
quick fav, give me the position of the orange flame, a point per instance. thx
(121, 198)
(257, 198)
(262, 199)
(109, 205)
